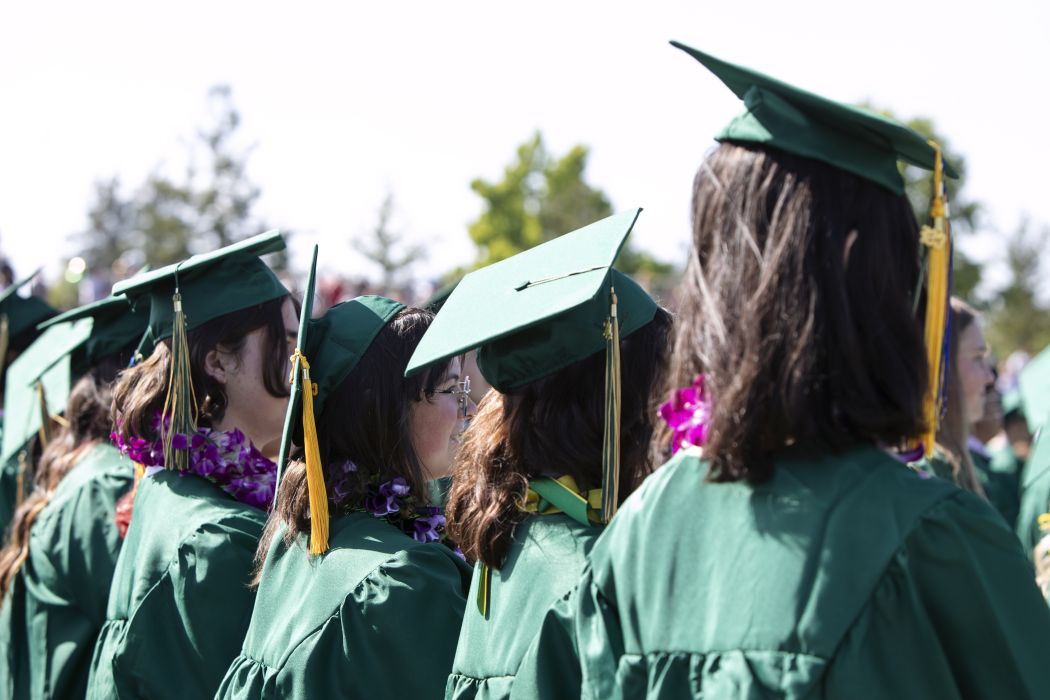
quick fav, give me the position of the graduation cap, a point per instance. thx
(535, 313)
(114, 325)
(20, 314)
(866, 144)
(38, 385)
(439, 297)
(185, 295)
(335, 343)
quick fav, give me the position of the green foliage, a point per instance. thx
(1019, 319)
(539, 198)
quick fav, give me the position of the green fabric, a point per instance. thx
(337, 341)
(567, 501)
(437, 490)
(540, 310)
(1001, 489)
(936, 464)
(23, 313)
(847, 576)
(180, 603)
(9, 490)
(1035, 493)
(377, 616)
(113, 325)
(1033, 384)
(544, 562)
(14, 662)
(790, 119)
(1012, 402)
(47, 361)
(72, 553)
(212, 284)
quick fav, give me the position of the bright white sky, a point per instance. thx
(346, 100)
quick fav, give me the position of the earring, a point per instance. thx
(207, 407)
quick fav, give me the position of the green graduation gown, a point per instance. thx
(1035, 493)
(58, 601)
(179, 604)
(843, 576)
(1000, 487)
(544, 562)
(376, 616)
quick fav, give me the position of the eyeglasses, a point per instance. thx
(462, 393)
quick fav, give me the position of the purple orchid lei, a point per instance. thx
(227, 459)
(392, 501)
(688, 414)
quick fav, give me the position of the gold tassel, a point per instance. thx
(180, 405)
(611, 446)
(5, 337)
(484, 588)
(314, 474)
(937, 238)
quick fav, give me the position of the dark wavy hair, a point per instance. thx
(798, 306)
(87, 424)
(366, 420)
(554, 425)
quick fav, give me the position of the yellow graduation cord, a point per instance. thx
(611, 439)
(576, 501)
(314, 475)
(937, 239)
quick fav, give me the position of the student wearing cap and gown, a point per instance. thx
(526, 502)
(195, 415)
(793, 554)
(38, 385)
(359, 596)
(65, 541)
(19, 317)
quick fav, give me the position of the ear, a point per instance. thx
(214, 365)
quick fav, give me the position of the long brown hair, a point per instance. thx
(87, 415)
(553, 425)
(365, 422)
(953, 431)
(798, 308)
(140, 390)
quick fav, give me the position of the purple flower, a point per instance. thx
(179, 442)
(380, 505)
(688, 413)
(395, 487)
(428, 528)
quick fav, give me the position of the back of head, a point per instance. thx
(363, 429)
(798, 309)
(553, 426)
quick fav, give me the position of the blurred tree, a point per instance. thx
(539, 198)
(1019, 314)
(387, 248)
(965, 212)
(167, 219)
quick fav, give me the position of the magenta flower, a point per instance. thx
(688, 414)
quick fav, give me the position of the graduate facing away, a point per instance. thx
(797, 556)
(526, 502)
(359, 596)
(199, 417)
(56, 567)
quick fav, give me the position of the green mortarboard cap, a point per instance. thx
(440, 296)
(1034, 386)
(114, 326)
(211, 284)
(45, 361)
(785, 117)
(541, 310)
(23, 313)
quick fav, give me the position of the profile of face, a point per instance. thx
(437, 422)
(249, 406)
(975, 373)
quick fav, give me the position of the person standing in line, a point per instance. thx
(193, 416)
(795, 554)
(359, 593)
